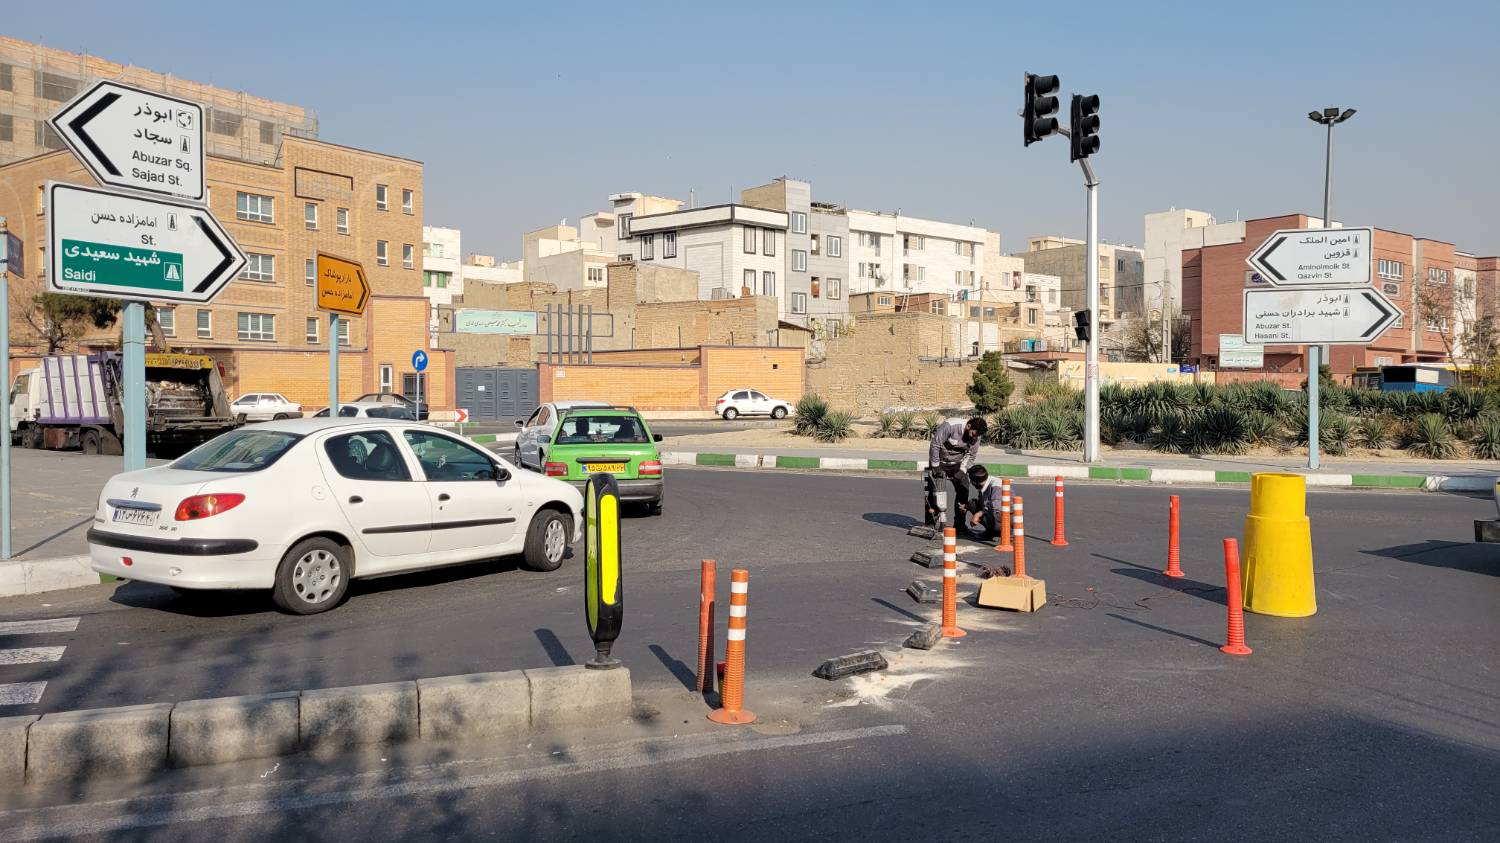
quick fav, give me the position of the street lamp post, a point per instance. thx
(1329, 117)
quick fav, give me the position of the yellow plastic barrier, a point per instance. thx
(1278, 571)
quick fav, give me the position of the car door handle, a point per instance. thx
(356, 499)
(443, 496)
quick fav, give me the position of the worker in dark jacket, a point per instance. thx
(951, 453)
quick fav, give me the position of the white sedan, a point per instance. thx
(265, 406)
(303, 506)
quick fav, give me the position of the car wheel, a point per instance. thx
(88, 442)
(280, 416)
(31, 437)
(546, 541)
(730, 414)
(313, 577)
(653, 508)
(778, 413)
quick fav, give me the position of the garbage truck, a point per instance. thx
(74, 401)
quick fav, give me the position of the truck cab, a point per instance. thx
(25, 405)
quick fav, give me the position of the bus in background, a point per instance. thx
(1408, 377)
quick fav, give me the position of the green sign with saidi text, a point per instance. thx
(122, 266)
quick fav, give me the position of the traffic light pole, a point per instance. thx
(1091, 348)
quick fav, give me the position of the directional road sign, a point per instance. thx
(419, 360)
(1318, 257)
(1317, 315)
(139, 139)
(342, 287)
(102, 242)
(460, 415)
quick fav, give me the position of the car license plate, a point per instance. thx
(130, 515)
(604, 467)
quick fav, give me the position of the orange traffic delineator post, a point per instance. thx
(707, 577)
(1018, 535)
(1059, 517)
(732, 693)
(950, 584)
(1004, 546)
(1174, 554)
(1236, 645)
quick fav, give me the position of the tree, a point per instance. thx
(991, 387)
(1140, 337)
(61, 319)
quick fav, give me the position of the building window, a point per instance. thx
(436, 279)
(408, 256)
(46, 137)
(310, 216)
(861, 269)
(387, 377)
(259, 267)
(936, 307)
(835, 247)
(883, 300)
(166, 317)
(989, 313)
(310, 267)
(41, 199)
(312, 330)
(253, 207)
(669, 244)
(799, 222)
(749, 282)
(257, 326)
(622, 231)
(875, 273)
(870, 239)
(226, 123)
(408, 201)
(648, 247)
(341, 220)
(50, 86)
(816, 243)
(835, 328)
(7, 78)
(1031, 292)
(913, 243)
(749, 240)
(958, 277)
(1031, 316)
(1437, 276)
(382, 201)
(768, 242)
(7, 127)
(344, 332)
(1394, 270)
(381, 247)
(267, 132)
(799, 302)
(973, 312)
(835, 287)
(596, 274)
(205, 324)
(767, 283)
(799, 260)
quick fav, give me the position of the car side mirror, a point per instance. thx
(543, 439)
(656, 437)
(520, 423)
(501, 474)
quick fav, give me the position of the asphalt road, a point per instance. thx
(1109, 713)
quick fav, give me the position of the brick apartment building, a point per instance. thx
(1214, 278)
(264, 327)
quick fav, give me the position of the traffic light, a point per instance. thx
(1039, 113)
(1081, 328)
(1083, 128)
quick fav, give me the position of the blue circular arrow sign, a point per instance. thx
(419, 360)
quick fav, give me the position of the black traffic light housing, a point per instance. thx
(1039, 113)
(1081, 328)
(1083, 126)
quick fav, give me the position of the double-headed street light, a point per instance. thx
(1317, 355)
(1329, 117)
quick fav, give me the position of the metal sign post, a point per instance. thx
(603, 591)
(5, 259)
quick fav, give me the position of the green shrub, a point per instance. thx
(1046, 392)
(1423, 403)
(1203, 394)
(1398, 404)
(1219, 429)
(1487, 439)
(1464, 404)
(835, 426)
(1172, 435)
(926, 424)
(885, 426)
(1261, 428)
(1021, 430)
(1374, 432)
(1335, 433)
(1059, 430)
(1430, 437)
(1333, 397)
(991, 387)
(904, 423)
(810, 411)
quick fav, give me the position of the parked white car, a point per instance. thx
(265, 406)
(367, 410)
(535, 434)
(303, 506)
(749, 402)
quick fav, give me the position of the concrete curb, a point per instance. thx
(1430, 483)
(32, 576)
(137, 740)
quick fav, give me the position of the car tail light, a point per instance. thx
(556, 469)
(651, 468)
(207, 506)
(718, 402)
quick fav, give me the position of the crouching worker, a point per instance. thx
(951, 453)
(982, 510)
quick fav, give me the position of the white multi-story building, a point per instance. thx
(1168, 234)
(905, 254)
(736, 250)
(444, 269)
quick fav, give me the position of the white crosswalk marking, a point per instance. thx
(35, 627)
(31, 655)
(29, 693)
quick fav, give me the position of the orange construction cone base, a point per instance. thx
(731, 718)
(953, 632)
(1236, 649)
(1059, 542)
(1170, 573)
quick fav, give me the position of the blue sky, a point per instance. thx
(524, 116)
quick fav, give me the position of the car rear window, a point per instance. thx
(388, 413)
(595, 430)
(238, 451)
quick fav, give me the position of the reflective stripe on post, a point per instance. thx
(732, 693)
(950, 584)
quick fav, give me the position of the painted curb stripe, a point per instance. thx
(716, 459)
(1231, 477)
(1389, 481)
(1181, 475)
(892, 465)
(998, 469)
(800, 462)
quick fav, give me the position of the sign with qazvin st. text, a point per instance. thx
(1321, 257)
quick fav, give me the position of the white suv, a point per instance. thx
(748, 402)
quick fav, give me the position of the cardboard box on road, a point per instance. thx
(1015, 593)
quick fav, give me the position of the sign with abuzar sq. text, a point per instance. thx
(471, 321)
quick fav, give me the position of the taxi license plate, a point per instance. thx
(130, 515)
(604, 467)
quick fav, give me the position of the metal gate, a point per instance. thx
(497, 394)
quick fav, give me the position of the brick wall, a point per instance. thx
(676, 379)
(642, 387)
(878, 365)
(778, 372)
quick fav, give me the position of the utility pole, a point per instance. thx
(1328, 117)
